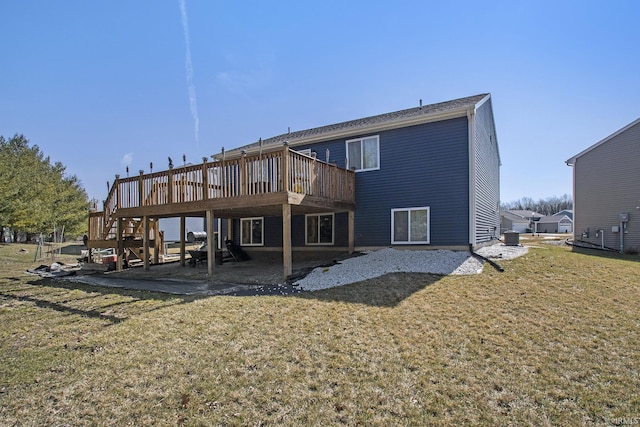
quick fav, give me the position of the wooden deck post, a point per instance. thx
(286, 240)
(183, 229)
(156, 241)
(145, 242)
(351, 226)
(119, 244)
(211, 248)
(205, 179)
(116, 194)
(140, 188)
(286, 161)
(170, 185)
(243, 174)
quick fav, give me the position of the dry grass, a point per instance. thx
(554, 340)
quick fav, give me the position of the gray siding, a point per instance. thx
(606, 183)
(487, 176)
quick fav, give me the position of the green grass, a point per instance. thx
(554, 340)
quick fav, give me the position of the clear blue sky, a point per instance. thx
(101, 85)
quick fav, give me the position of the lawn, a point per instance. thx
(553, 340)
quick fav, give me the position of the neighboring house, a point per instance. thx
(519, 220)
(567, 212)
(606, 194)
(557, 223)
(512, 222)
(426, 176)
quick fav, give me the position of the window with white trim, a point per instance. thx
(410, 226)
(319, 229)
(363, 154)
(252, 231)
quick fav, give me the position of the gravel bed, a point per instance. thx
(389, 260)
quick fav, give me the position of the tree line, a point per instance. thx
(36, 195)
(548, 206)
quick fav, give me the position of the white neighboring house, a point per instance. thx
(557, 223)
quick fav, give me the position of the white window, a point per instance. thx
(410, 226)
(363, 154)
(252, 231)
(319, 229)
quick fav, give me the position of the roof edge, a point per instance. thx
(572, 160)
(456, 112)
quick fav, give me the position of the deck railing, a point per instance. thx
(268, 172)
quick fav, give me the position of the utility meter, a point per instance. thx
(624, 217)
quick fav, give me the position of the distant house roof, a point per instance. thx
(513, 217)
(555, 219)
(524, 213)
(572, 160)
(408, 117)
(564, 212)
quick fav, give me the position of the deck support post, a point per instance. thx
(286, 240)
(351, 226)
(183, 229)
(119, 244)
(229, 230)
(211, 248)
(145, 242)
(156, 241)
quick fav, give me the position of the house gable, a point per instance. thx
(605, 178)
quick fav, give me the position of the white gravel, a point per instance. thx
(389, 260)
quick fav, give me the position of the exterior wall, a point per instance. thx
(606, 184)
(487, 176)
(273, 232)
(422, 165)
(510, 225)
(425, 165)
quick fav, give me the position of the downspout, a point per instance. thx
(472, 175)
(485, 259)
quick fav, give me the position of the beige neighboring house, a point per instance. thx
(606, 191)
(518, 220)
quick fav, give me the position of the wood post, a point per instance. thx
(183, 230)
(351, 231)
(140, 188)
(205, 179)
(211, 248)
(285, 169)
(243, 174)
(170, 185)
(156, 241)
(116, 192)
(286, 240)
(119, 244)
(145, 242)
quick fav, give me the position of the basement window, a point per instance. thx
(252, 231)
(410, 226)
(319, 229)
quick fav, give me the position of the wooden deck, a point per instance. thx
(279, 182)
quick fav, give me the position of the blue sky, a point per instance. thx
(102, 85)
